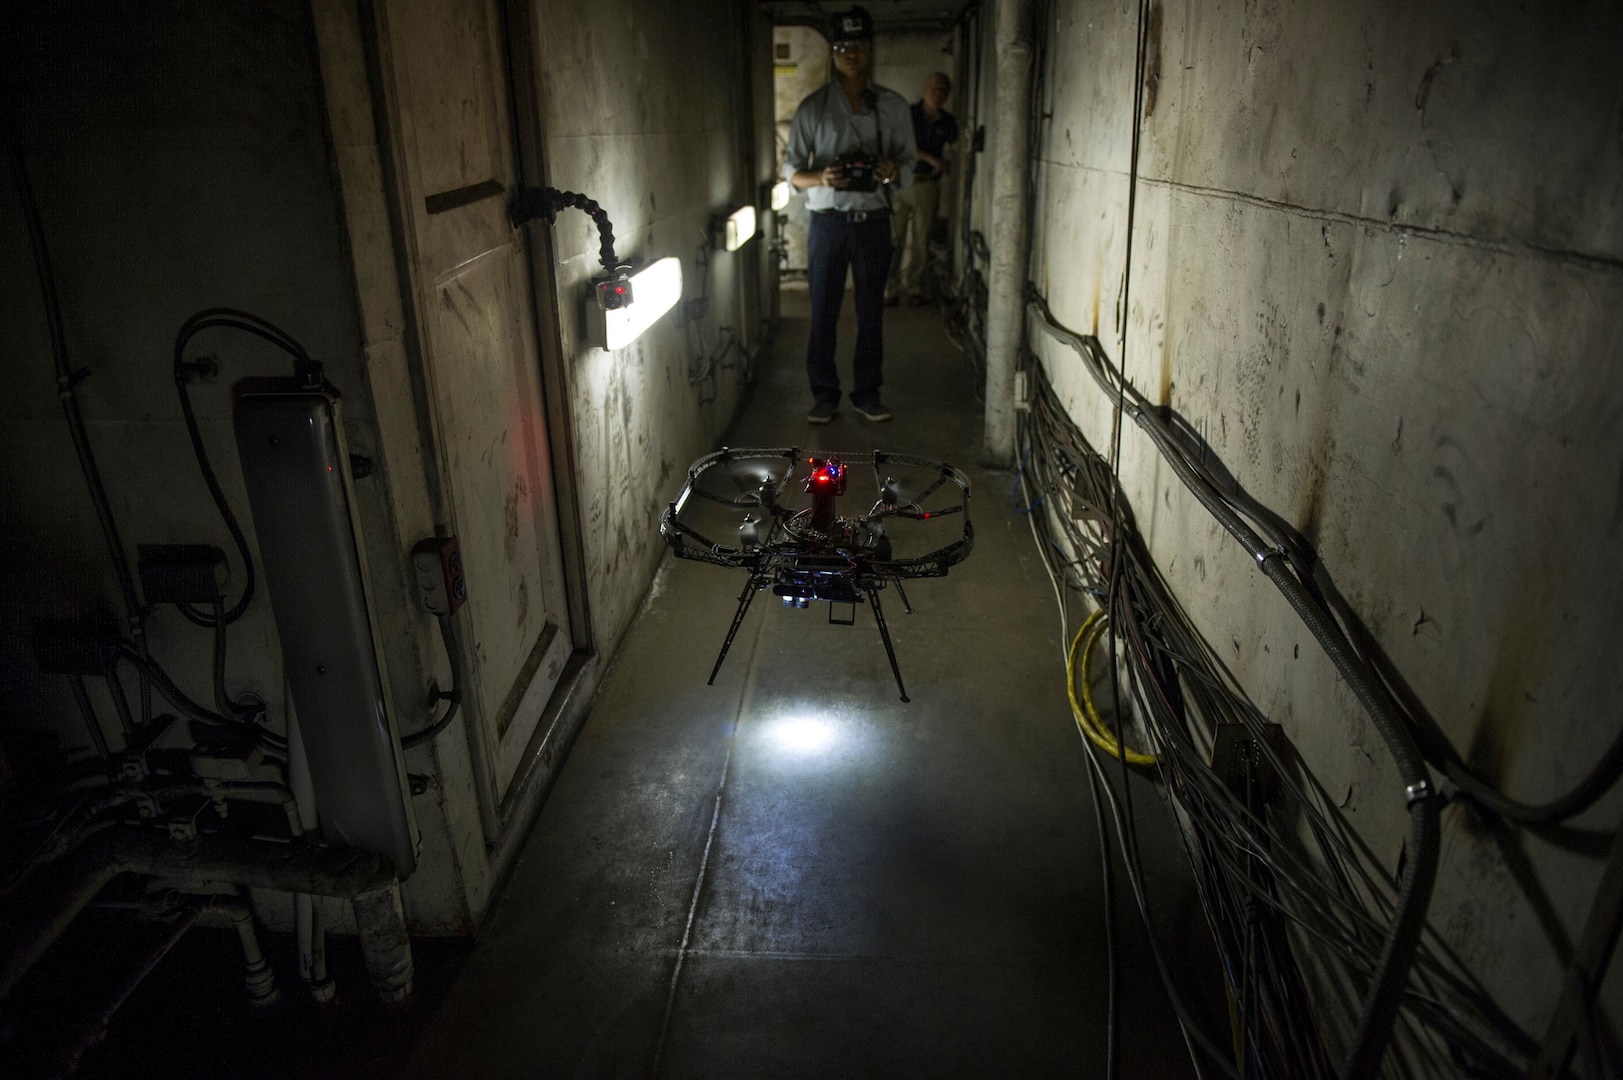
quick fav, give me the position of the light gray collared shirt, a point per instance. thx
(825, 128)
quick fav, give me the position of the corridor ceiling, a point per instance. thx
(888, 15)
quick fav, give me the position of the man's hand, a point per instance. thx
(886, 171)
(834, 177)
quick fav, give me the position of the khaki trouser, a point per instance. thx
(913, 211)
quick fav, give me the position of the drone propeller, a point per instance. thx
(745, 482)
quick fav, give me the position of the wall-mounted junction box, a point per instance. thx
(182, 573)
(437, 563)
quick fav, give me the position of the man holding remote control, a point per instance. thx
(850, 143)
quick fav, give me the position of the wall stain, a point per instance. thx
(510, 520)
(1309, 513)
(1166, 374)
(451, 306)
(1423, 94)
(1152, 63)
(1503, 723)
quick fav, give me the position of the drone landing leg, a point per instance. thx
(884, 635)
(907, 607)
(743, 606)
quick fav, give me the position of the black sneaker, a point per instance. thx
(821, 413)
(873, 410)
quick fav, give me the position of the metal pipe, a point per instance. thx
(115, 689)
(258, 976)
(382, 923)
(266, 791)
(89, 1032)
(1005, 319)
(81, 697)
(322, 987)
(309, 918)
(220, 913)
(35, 918)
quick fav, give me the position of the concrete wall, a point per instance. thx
(189, 156)
(1378, 262)
(902, 61)
(808, 53)
(626, 119)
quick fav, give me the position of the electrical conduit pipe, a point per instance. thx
(35, 918)
(1005, 313)
(308, 917)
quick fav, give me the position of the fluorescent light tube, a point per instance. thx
(740, 227)
(780, 194)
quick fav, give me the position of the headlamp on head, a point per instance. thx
(853, 25)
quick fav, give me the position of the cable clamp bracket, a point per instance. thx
(1415, 792)
(1262, 557)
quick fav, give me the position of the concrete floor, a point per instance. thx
(791, 872)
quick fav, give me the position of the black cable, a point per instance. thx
(66, 380)
(308, 370)
(1345, 922)
(115, 690)
(222, 704)
(454, 696)
(1415, 891)
(531, 203)
(1230, 500)
(1112, 985)
(191, 710)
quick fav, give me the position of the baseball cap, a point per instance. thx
(851, 25)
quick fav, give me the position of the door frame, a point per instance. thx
(504, 820)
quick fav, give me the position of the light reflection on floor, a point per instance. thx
(807, 733)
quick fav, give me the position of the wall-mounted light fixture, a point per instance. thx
(647, 294)
(738, 228)
(780, 194)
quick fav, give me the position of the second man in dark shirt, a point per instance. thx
(915, 209)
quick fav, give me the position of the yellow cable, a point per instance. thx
(1087, 714)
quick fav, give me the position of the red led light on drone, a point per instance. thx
(827, 477)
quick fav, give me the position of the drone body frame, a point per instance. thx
(812, 553)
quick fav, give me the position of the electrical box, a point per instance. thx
(437, 562)
(296, 468)
(181, 573)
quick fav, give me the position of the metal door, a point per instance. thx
(449, 109)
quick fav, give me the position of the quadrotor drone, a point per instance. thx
(804, 550)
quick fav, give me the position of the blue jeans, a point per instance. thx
(832, 245)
